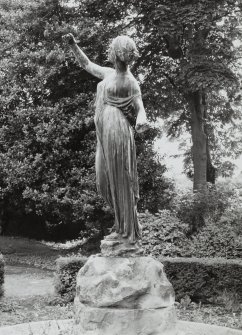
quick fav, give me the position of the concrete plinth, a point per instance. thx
(115, 321)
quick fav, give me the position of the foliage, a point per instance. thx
(217, 204)
(188, 204)
(163, 233)
(215, 240)
(47, 133)
(233, 212)
(220, 234)
(156, 191)
(230, 301)
(65, 277)
(204, 279)
(171, 233)
(177, 30)
(166, 235)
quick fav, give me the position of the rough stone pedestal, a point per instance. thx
(124, 296)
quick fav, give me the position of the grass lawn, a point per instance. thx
(17, 250)
(37, 308)
(210, 314)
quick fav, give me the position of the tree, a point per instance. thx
(187, 56)
(47, 133)
(47, 130)
(223, 130)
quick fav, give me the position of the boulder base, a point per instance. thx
(123, 296)
(133, 283)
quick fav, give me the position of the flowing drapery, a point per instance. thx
(116, 168)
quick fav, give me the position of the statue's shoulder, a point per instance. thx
(108, 76)
(134, 84)
(108, 71)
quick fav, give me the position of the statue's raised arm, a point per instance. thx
(96, 70)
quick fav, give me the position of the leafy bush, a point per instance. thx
(189, 205)
(166, 235)
(204, 279)
(233, 212)
(65, 277)
(219, 203)
(163, 233)
(47, 167)
(1, 274)
(230, 301)
(220, 207)
(214, 240)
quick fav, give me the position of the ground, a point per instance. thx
(29, 282)
(28, 252)
(29, 289)
(16, 310)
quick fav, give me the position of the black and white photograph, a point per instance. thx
(120, 167)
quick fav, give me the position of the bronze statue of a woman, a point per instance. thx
(118, 94)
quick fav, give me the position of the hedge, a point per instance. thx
(1, 274)
(201, 279)
(204, 279)
(66, 272)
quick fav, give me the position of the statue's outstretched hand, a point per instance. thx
(69, 39)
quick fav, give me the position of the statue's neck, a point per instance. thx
(121, 67)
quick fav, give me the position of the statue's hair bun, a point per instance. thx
(124, 48)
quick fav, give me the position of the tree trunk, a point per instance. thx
(199, 151)
(211, 170)
(199, 140)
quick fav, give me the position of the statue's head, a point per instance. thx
(122, 49)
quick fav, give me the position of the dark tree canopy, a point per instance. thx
(47, 133)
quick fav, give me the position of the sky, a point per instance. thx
(167, 149)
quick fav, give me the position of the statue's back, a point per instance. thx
(121, 86)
